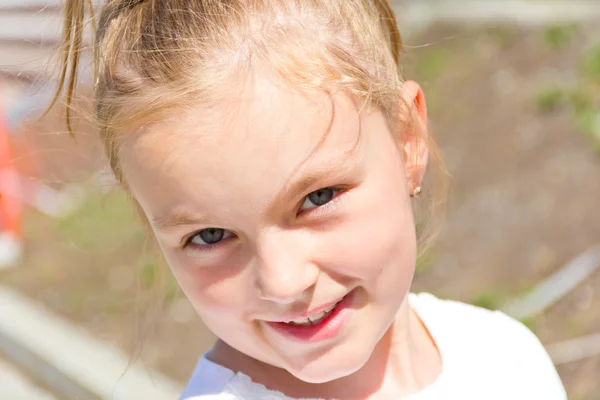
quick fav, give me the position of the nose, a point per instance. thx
(285, 273)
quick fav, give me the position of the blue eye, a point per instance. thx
(318, 198)
(210, 236)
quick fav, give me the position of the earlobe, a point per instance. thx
(414, 139)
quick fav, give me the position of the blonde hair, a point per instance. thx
(151, 56)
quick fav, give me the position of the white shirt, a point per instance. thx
(485, 355)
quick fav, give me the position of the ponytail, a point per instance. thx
(386, 14)
(70, 54)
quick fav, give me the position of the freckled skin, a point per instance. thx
(278, 260)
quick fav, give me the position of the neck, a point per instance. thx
(403, 362)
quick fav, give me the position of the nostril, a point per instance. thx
(284, 291)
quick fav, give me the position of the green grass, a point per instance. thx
(583, 97)
(591, 64)
(530, 323)
(589, 123)
(107, 227)
(587, 107)
(557, 36)
(102, 224)
(549, 99)
(431, 64)
(491, 298)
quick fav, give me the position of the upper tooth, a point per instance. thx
(313, 318)
(305, 321)
(318, 316)
(331, 308)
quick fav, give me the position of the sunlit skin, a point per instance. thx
(254, 168)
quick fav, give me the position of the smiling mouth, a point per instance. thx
(313, 319)
(323, 325)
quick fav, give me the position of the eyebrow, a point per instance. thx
(326, 170)
(321, 173)
(177, 218)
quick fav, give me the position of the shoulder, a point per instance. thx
(458, 322)
(453, 316)
(208, 382)
(481, 337)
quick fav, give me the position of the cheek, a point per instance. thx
(377, 238)
(370, 245)
(223, 290)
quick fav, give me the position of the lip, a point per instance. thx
(306, 314)
(326, 329)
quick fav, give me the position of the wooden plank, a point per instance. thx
(551, 290)
(96, 366)
(14, 385)
(575, 349)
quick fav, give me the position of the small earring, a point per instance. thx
(416, 192)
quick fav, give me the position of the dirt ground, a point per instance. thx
(525, 183)
(523, 202)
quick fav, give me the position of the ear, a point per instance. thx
(414, 137)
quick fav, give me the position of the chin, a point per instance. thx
(331, 366)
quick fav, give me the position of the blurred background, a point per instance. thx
(513, 89)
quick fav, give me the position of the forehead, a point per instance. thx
(264, 136)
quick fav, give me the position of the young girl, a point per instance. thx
(274, 148)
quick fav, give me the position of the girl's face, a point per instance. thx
(284, 206)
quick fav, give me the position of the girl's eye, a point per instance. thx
(210, 236)
(318, 198)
